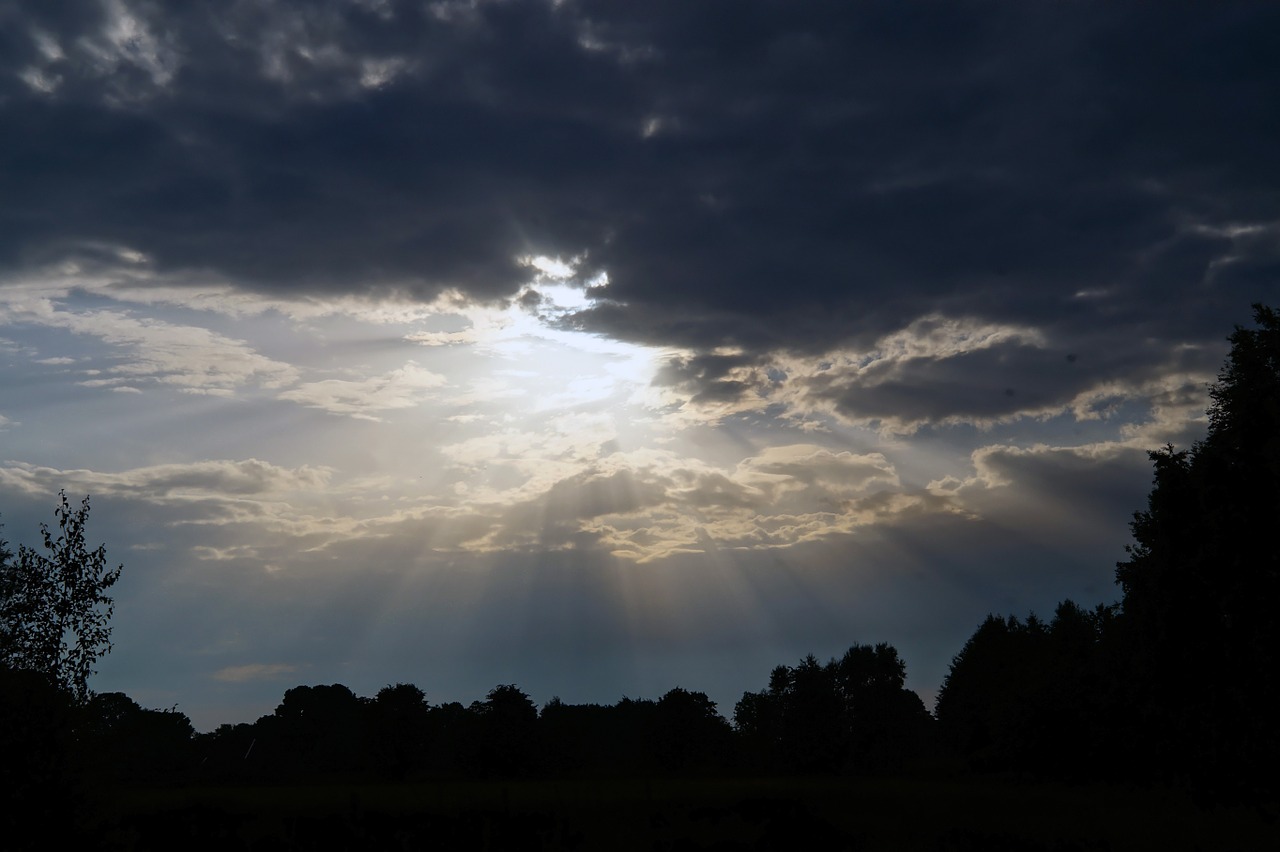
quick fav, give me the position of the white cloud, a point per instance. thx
(645, 505)
(183, 356)
(206, 478)
(376, 73)
(40, 81)
(806, 465)
(405, 387)
(940, 336)
(150, 350)
(442, 338)
(124, 275)
(206, 553)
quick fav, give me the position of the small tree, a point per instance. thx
(54, 610)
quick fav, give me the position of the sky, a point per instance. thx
(604, 348)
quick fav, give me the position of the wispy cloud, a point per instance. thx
(254, 671)
(147, 349)
(405, 387)
(223, 477)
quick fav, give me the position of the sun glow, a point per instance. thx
(541, 361)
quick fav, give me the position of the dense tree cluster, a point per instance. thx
(852, 714)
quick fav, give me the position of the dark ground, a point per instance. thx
(693, 814)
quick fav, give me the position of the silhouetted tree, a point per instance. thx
(399, 729)
(317, 729)
(681, 732)
(231, 753)
(987, 706)
(1202, 581)
(565, 733)
(853, 714)
(885, 725)
(689, 733)
(456, 738)
(812, 730)
(54, 610)
(40, 760)
(507, 731)
(1033, 698)
(1083, 684)
(757, 720)
(129, 743)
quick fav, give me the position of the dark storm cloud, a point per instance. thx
(762, 174)
(318, 145)
(996, 159)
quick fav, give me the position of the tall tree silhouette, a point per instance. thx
(1202, 581)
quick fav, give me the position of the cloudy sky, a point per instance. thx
(610, 347)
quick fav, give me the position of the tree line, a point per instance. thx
(328, 732)
(1176, 681)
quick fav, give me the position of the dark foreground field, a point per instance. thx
(826, 814)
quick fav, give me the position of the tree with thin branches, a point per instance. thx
(54, 608)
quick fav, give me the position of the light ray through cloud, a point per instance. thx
(601, 348)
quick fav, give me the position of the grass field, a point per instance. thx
(803, 813)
